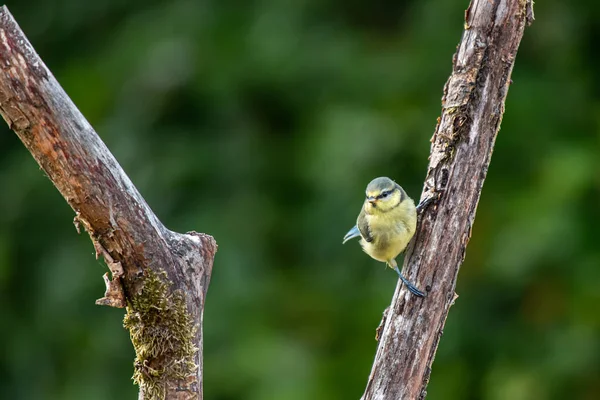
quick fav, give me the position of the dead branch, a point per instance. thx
(461, 149)
(159, 275)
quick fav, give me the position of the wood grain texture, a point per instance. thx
(123, 228)
(461, 149)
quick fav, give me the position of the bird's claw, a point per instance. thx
(411, 288)
(426, 202)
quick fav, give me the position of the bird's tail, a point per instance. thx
(352, 233)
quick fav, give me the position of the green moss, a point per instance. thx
(162, 333)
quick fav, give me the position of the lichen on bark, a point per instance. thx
(163, 334)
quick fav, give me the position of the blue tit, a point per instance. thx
(386, 224)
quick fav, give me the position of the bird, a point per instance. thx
(386, 224)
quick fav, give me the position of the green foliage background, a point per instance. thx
(260, 122)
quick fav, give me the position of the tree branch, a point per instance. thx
(461, 149)
(159, 275)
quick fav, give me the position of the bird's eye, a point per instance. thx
(385, 194)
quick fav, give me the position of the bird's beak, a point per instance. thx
(371, 200)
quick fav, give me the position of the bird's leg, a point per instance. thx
(411, 288)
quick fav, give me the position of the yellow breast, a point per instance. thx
(391, 231)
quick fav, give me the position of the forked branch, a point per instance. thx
(159, 275)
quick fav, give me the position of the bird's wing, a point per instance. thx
(352, 233)
(363, 226)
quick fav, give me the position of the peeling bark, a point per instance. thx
(136, 246)
(461, 149)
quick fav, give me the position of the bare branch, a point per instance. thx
(161, 276)
(461, 149)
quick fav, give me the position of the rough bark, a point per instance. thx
(159, 275)
(472, 109)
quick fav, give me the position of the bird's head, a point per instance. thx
(383, 194)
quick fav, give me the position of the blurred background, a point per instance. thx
(260, 123)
